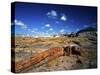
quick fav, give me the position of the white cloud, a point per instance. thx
(19, 23)
(48, 13)
(52, 14)
(47, 25)
(63, 17)
(62, 30)
(55, 15)
(51, 29)
(34, 30)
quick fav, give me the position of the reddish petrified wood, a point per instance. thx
(50, 53)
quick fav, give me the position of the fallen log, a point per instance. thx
(50, 54)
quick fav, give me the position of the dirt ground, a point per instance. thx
(25, 47)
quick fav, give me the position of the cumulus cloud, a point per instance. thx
(34, 30)
(63, 17)
(47, 25)
(52, 14)
(62, 30)
(51, 29)
(55, 15)
(19, 23)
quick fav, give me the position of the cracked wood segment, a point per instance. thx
(50, 53)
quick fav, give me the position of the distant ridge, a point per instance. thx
(87, 29)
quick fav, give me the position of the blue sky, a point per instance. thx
(48, 19)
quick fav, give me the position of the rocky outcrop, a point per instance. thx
(72, 49)
(87, 32)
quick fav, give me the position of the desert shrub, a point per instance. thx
(92, 39)
(77, 42)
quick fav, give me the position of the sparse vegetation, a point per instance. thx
(25, 47)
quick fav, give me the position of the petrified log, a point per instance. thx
(50, 54)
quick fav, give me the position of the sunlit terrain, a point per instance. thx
(53, 37)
